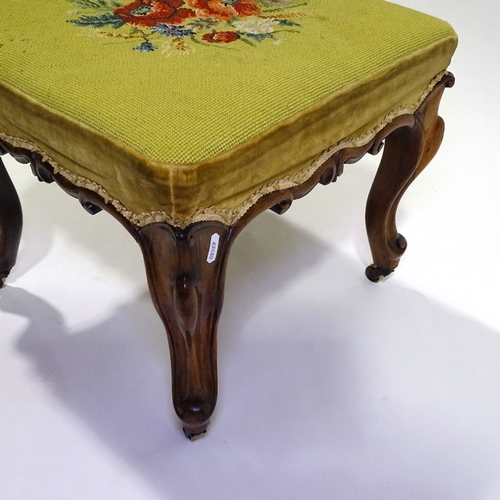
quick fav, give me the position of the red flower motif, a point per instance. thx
(151, 12)
(221, 37)
(225, 9)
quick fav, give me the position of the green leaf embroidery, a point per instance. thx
(107, 19)
(96, 4)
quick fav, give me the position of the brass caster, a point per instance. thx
(375, 274)
(193, 436)
(3, 277)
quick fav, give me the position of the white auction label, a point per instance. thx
(214, 246)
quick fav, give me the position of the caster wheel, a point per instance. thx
(3, 277)
(375, 274)
(192, 436)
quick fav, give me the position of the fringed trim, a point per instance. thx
(227, 217)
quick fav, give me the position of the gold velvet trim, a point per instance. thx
(226, 216)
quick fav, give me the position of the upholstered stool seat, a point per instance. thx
(187, 118)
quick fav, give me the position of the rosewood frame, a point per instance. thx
(187, 289)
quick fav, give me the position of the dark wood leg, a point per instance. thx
(408, 150)
(186, 272)
(11, 223)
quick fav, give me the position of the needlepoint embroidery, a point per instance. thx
(175, 26)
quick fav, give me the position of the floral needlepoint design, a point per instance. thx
(150, 13)
(225, 9)
(221, 37)
(178, 25)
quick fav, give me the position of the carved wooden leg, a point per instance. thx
(186, 271)
(407, 152)
(11, 223)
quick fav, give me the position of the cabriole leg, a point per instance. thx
(186, 271)
(408, 150)
(11, 223)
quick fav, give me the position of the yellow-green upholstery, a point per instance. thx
(189, 110)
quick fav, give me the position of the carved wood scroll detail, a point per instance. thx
(186, 267)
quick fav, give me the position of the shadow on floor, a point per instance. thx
(330, 387)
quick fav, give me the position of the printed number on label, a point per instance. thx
(214, 246)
